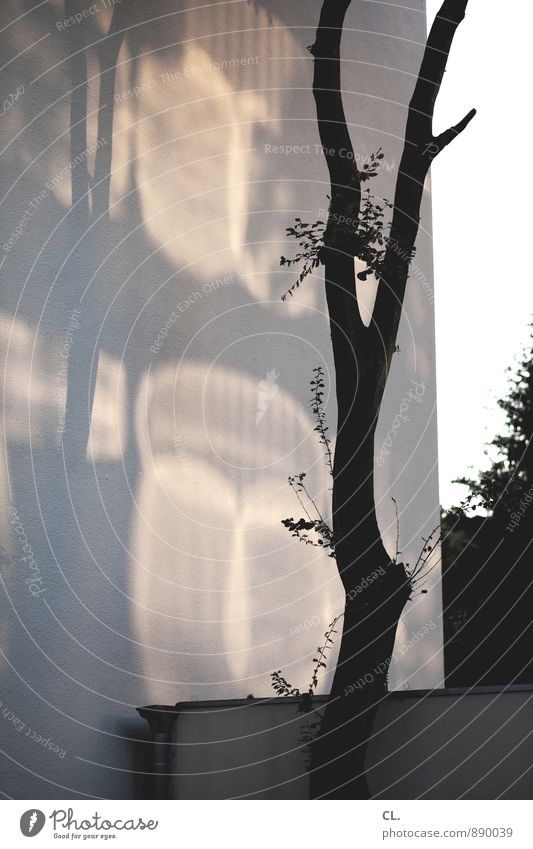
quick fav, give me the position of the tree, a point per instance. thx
(362, 357)
(487, 577)
(510, 476)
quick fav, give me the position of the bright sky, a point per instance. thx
(481, 218)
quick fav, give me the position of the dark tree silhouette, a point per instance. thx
(487, 559)
(508, 479)
(362, 357)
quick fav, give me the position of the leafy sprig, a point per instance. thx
(310, 241)
(313, 520)
(364, 236)
(317, 408)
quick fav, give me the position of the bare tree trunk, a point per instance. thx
(362, 358)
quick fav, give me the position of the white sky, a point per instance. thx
(481, 209)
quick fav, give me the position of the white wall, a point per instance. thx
(165, 571)
(439, 745)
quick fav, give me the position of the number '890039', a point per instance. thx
(491, 832)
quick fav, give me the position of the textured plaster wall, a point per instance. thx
(156, 565)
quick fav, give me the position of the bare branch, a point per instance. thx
(345, 318)
(440, 39)
(444, 139)
(332, 126)
(419, 151)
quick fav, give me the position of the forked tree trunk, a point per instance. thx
(362, 358)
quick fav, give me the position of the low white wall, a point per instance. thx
(440, 744)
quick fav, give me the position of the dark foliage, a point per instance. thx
(487, 559)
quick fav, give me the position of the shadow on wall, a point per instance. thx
(156, 388)
(151, 583)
